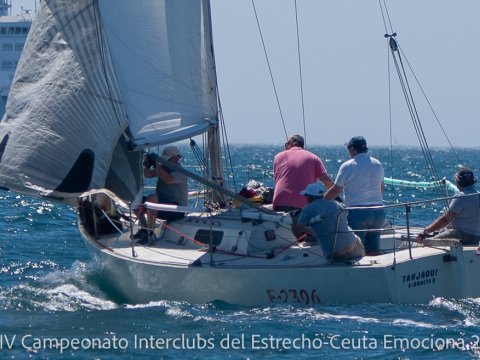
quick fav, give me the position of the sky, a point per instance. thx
(345, 70)
(26, 4)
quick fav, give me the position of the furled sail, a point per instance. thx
(98, 78)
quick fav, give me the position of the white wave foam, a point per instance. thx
(59, 290)
(172, 308)
(69, 297)
(412, 323)
(468, 309)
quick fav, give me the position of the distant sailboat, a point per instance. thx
(101, 81)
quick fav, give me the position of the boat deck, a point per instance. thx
(189, 254)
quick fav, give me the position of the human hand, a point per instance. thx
(294, 213)
(420, 238)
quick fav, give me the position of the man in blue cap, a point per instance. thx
(361, 179)
(328, 221)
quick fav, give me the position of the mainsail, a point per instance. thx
(98, 79)
(163, 57)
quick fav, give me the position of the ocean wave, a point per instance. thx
(464, 312)
(58, 290)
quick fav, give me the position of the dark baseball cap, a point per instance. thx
(465, 174)
(358, 143)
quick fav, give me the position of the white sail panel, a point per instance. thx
(163, 59)
(63, 131)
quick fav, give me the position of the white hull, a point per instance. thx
(299, 274)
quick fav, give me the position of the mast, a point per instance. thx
(215, 163)
(213, 134)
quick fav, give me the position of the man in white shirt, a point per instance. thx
(361, 179)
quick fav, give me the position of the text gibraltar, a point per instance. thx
(420, 278)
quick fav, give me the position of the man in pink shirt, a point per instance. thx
(295, 168)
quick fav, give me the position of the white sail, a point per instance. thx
(74, 114)
(163, 57)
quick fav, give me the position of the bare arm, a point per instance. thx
(149, 172)
(327, 182)
(298, 229)
(441, 222)
(165, 176)
(333, 192)
(438, 224)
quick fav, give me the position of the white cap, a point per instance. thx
(314, 189)
(169, 152)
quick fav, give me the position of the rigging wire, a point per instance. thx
(399, 66)
(226, 146)
(416, 79)
(200, 159)
(432, 109)
(228, 162)
(300, 74)
(418, 83)
(397, 56)
(390, 113)
(269, 69)
(389, 91)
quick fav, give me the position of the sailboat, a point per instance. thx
(96, 89)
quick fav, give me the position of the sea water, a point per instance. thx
(54, 304)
